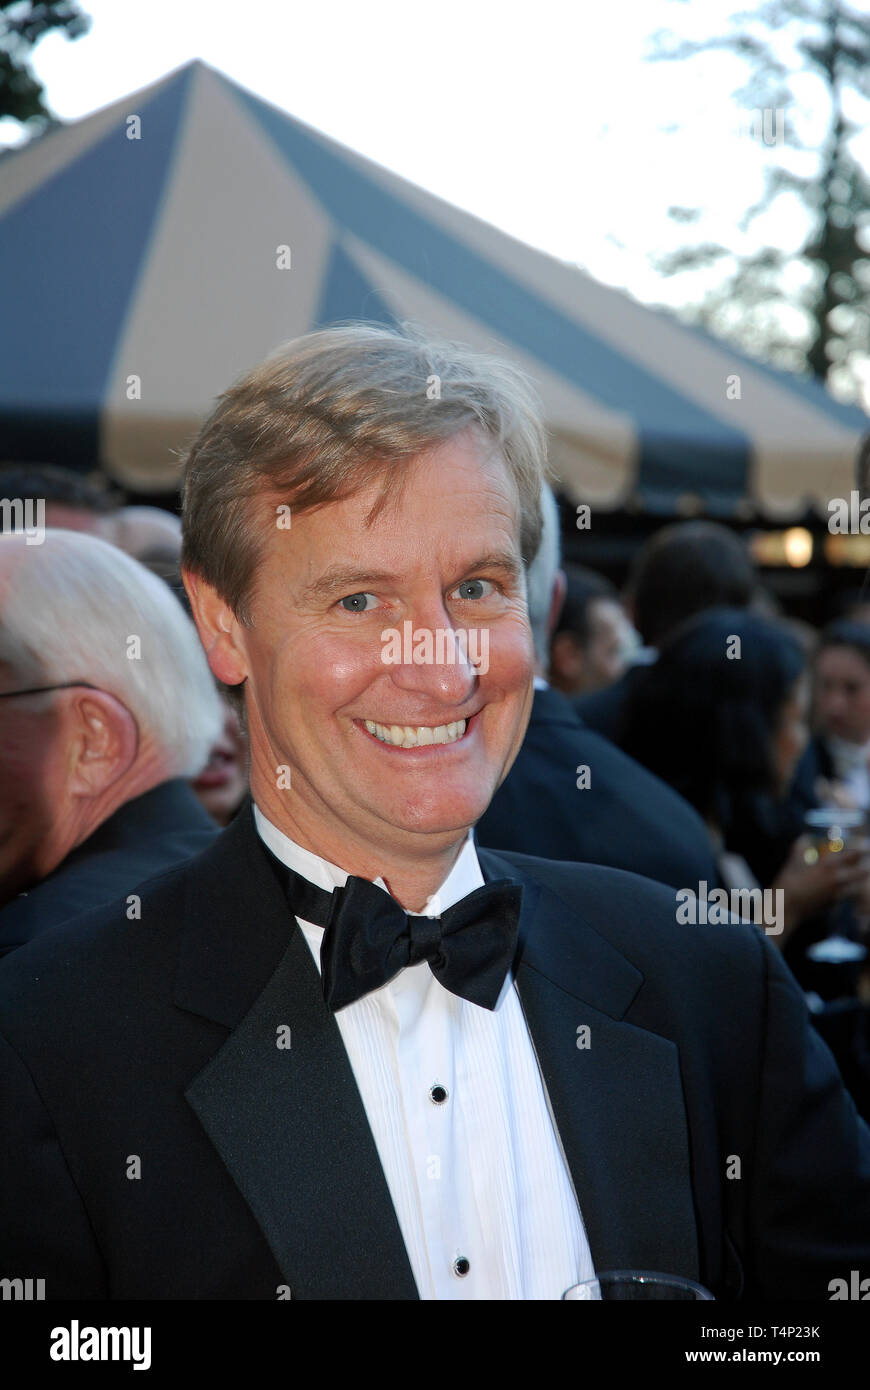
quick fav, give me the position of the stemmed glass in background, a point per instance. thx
(832, 828)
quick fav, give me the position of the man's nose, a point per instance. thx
(436, 658)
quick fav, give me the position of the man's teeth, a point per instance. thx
(403, 736)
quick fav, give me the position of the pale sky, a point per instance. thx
(539, 117)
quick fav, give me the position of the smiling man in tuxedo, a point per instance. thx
(342, 1054)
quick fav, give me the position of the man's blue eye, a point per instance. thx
(355, 603)
(475, 586)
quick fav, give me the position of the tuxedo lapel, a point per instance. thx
(287, 1121)
(618, 1102)
(619, 1111)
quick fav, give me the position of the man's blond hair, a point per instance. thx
(329, 412)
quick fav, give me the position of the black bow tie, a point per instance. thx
(369, 938)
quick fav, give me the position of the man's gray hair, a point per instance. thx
(541, 576)
(73, 607)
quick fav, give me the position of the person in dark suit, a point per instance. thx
(681, 570)
(590, 643)
(572, 794)
(146, 835)
(105, 709)
(340, 1054)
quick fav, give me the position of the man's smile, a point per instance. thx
(417, 735)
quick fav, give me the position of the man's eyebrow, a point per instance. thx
(504, 560)
(342, 579)
(339, 578)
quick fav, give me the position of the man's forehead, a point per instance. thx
(491, 536)
(479, 510)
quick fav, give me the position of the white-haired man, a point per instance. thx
(107, 705)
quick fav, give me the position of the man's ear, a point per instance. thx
(218, 629)
(103, 741)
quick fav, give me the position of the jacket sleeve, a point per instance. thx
(810, 1197)
(44, 1228)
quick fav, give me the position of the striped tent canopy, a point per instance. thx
(141, 272)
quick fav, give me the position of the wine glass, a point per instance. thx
(634, 1285)
(832, 828)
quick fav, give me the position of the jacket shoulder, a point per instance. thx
(84, 947)
(640, 917)
(581, 881)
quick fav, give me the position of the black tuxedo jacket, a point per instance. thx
(144, 836)
(626, 818)
(604, 710)
(155, 1142)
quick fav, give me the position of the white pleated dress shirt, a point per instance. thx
(460, 1117)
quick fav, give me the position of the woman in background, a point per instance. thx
(222, 786)
(722, 716)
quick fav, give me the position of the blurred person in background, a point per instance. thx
(153, 537)
(680, 571)
(107, 707)
(841, 706)
(146, 531)
(727, 732)
(615, 813)
(592, 638)
(73, 501)
(222, 785)
(79, 502)
(727, 729)
(685, 569)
